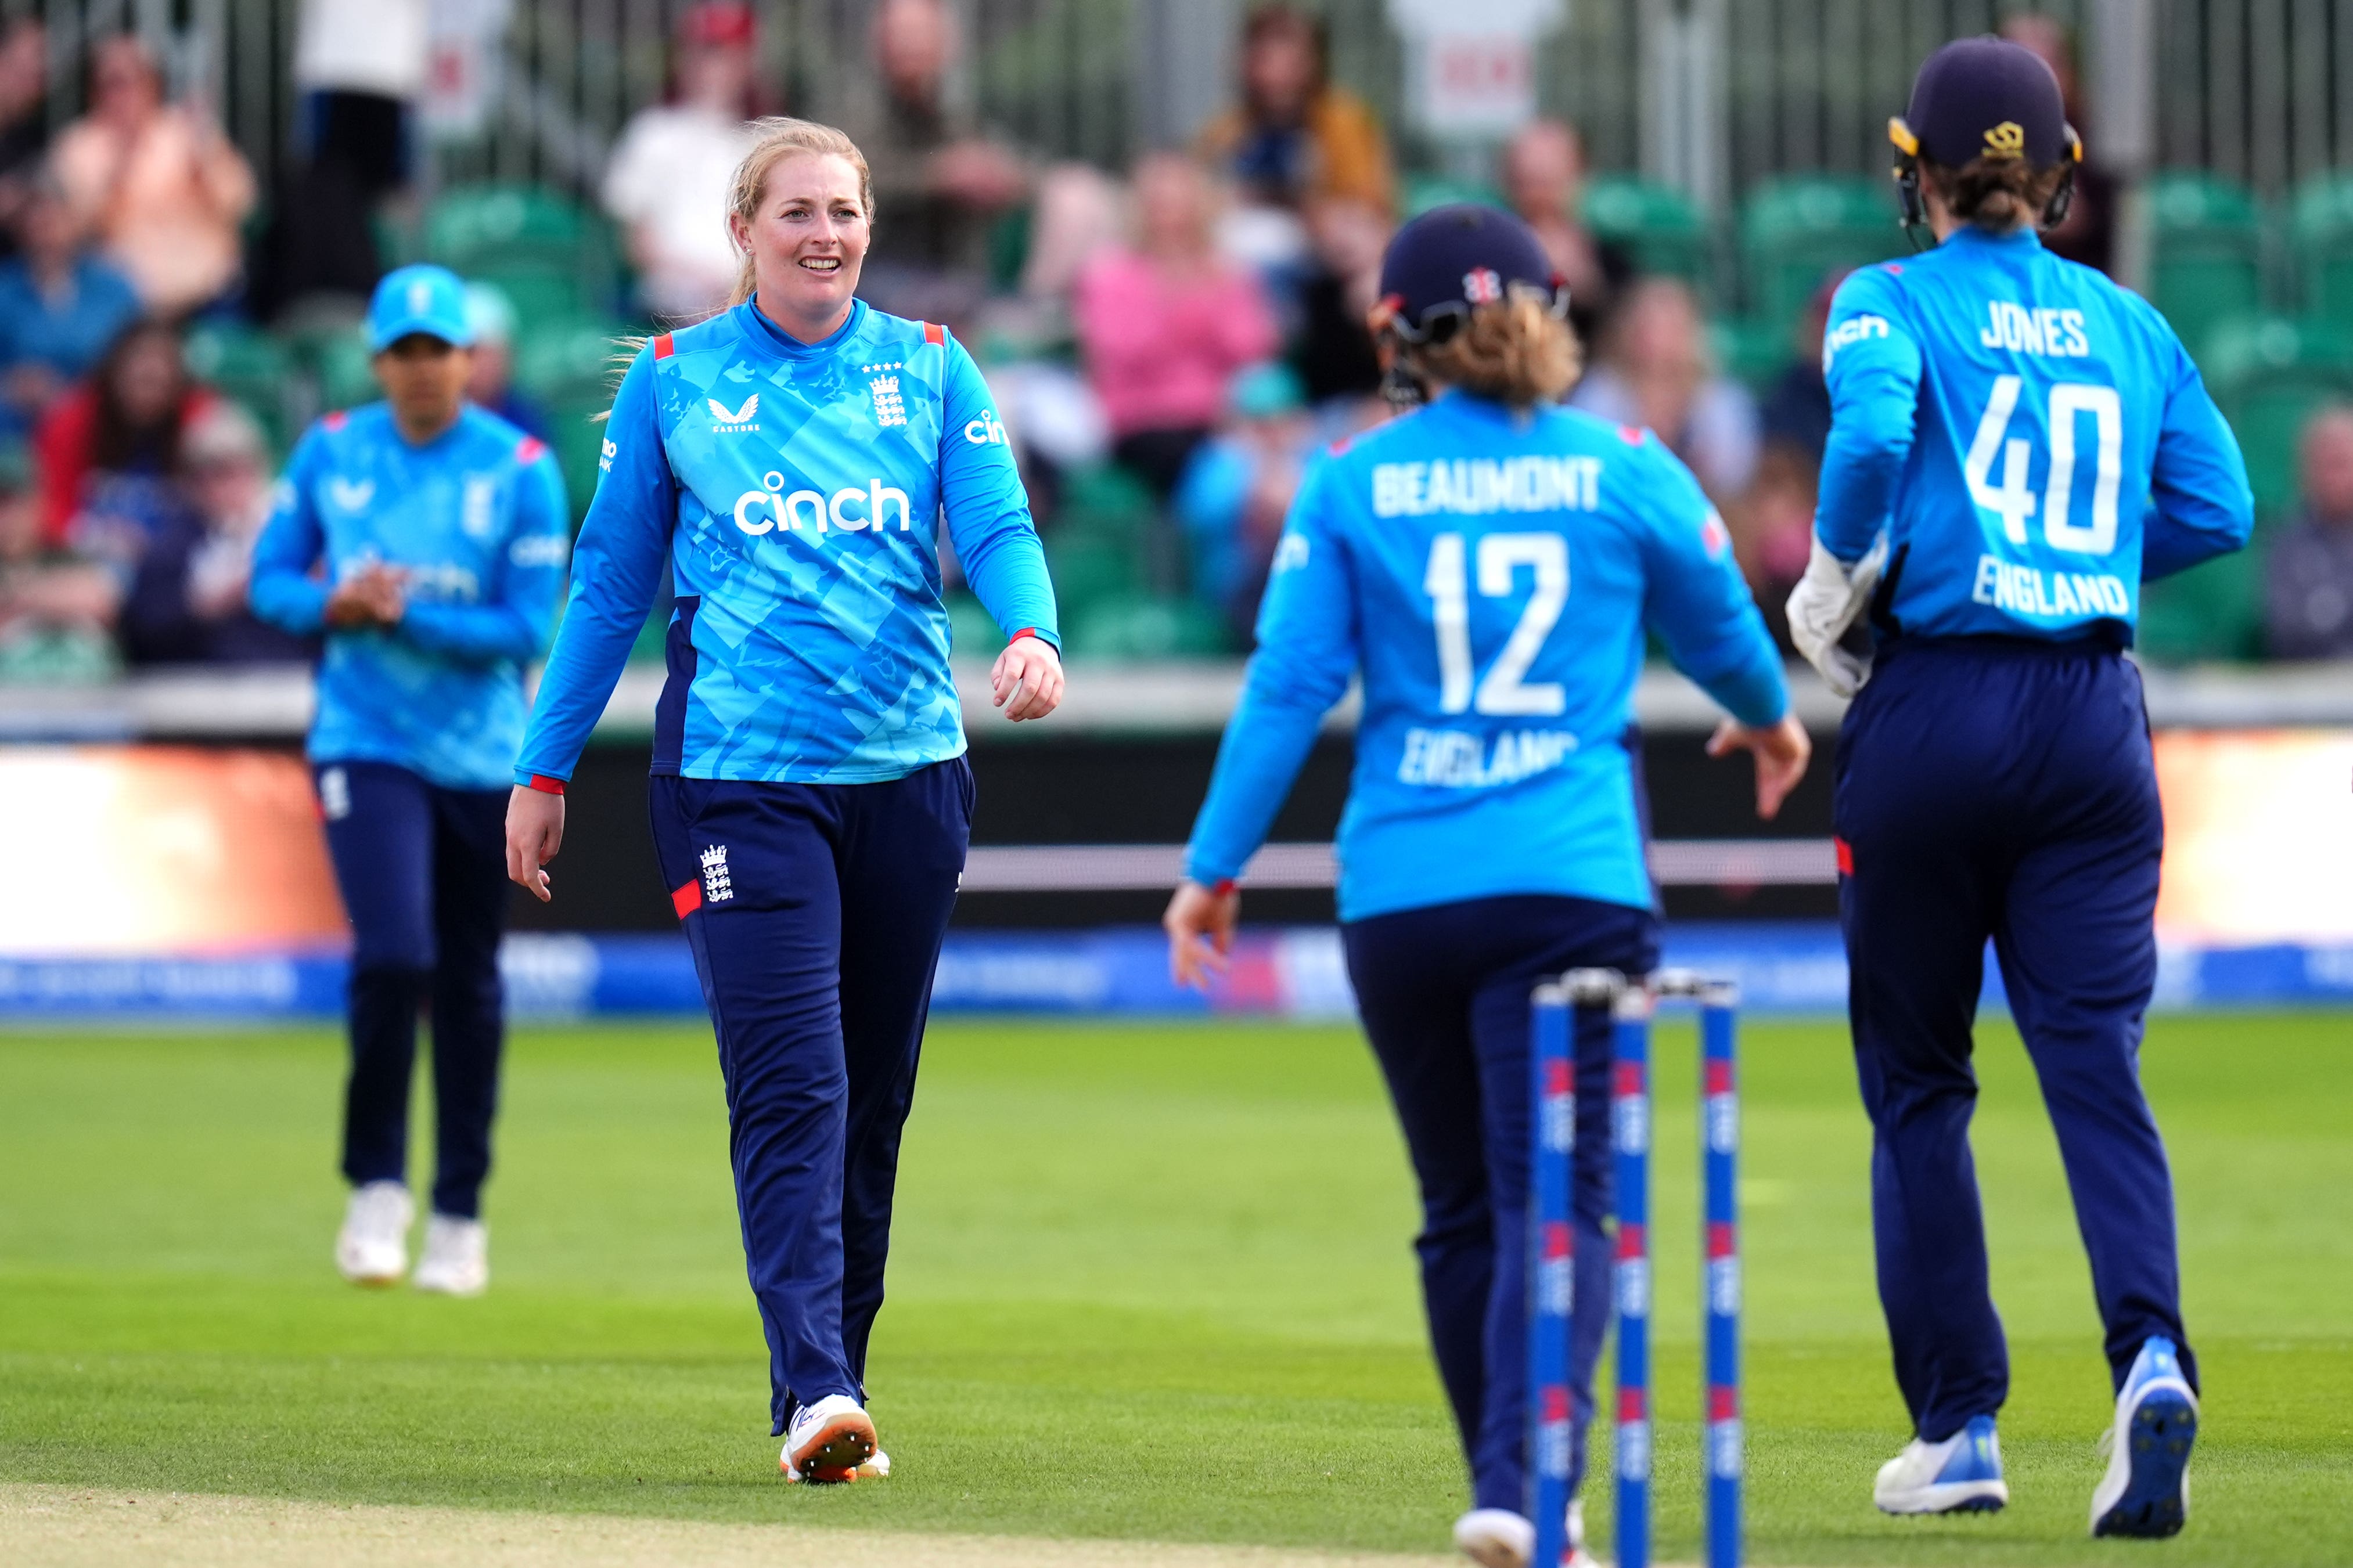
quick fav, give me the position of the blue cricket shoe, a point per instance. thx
(2146, 1489)
(1960, 1475)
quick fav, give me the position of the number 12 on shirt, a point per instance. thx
(1501, 557)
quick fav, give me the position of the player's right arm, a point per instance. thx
(1307, 649)
(616, 568)
(283, 591)
(2199, 502)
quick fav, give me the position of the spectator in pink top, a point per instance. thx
(1165, 326)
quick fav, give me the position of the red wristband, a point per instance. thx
(546, 786)
(1223, 887)
(1024, 631)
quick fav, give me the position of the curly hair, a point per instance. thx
(1514, 350)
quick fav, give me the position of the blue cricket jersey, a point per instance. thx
(476, 518)
(2032, 437)
(1490, 574)
(795, 490)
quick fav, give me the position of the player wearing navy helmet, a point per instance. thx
(427, 538)
(1490, 566)
(790, 459)
(2016, 444)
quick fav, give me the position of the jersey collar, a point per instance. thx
(2022, 236)
(768, 335)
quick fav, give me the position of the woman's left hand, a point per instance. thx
(1026, 679)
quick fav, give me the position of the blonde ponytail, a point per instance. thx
(1514, 350)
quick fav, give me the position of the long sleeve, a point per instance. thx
(615, 570)
(988, 509)
(283, 591)
(1307, 649)
(514, 623)
(1872, 364)
(1697, 602)
(2200, 505)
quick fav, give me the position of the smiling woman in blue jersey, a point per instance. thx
(426, 538)
(2016, 445)
(788, 458)
(1490, 566)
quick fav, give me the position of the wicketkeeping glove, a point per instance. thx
(1826, 610)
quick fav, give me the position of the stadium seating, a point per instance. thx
(552, 257)
(2205, 253)
(1797, 229)
(2320, 239)
(2268, 373)
(1657, 225)
(253, 369)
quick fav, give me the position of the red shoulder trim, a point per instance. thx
(1632, 435)
(935, 334)
(336, 420)
(529, 449)
(664, 347)
(1340, 446)
(1892, 269)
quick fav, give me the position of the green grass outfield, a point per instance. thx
(1150, 1281)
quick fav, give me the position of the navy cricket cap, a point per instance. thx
(1454, 257)
(1988, 98)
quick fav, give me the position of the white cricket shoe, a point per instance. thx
(372, 1246)
(2146, 1489)
(1495, 1538)
(1960, 1475)
(876, 1467)
(827, 1441)
(457, 1260)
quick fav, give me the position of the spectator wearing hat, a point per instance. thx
(1164, 325)
(675, 161)
(57, 610)
(491, 383)
(187, 600)
(1237, 487)
(158, 183)
(2308, 586)
(61, 306)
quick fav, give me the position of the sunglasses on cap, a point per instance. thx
(1443, 320)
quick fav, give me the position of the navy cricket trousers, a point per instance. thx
(1444, 994)
(2002, 789)
(815, 913)
(423, 871)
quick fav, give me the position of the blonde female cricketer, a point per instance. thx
(810, 797)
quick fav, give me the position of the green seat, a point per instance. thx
(346, 379)
(1090, 564)
(252, 368)
(2268, 373)
(1423, 192)
(2208, 612)
(1795, 230)
(565, 357)
(1146, 627)
(524, 239)
(1657, 225)
(2205, 252)
(2320, 237)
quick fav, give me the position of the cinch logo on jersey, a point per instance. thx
(1472, 487)
(984, 431)
(2051, 595)
(1852, 331)
(726, 421)
(806, 511)
(1460, 759)
(2058, 333)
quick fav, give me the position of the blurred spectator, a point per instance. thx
(1237, 490)
(1295, 138)
(1774, 532)
(491, 383)
(1332, 348)
(55, 611)
(668, 180)
(2089, 235)
(2309, 597)
(104, 447)
(157, 184)
(24, 117)
(1543, 179)
(1165, 326)
(60, 307)
(187, 598)
(1655, 374)
(939, 186)
(359, 65)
